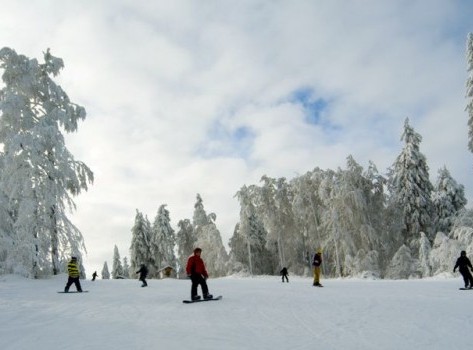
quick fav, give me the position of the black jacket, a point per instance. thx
(463, 263)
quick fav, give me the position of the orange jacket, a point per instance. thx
(195, 265)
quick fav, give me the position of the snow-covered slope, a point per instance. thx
(255, 313)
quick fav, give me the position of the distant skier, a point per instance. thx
(316, 262)
(463, 263)
(284, 274)
(143, 271)
(94, 275)
(74, 274)
(197, 272)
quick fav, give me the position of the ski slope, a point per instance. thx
(255, 313)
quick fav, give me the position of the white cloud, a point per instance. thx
(186, 98)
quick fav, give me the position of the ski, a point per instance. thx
(84, 291)
(466, 288)
(197, 301)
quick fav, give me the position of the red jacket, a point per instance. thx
(195, 265)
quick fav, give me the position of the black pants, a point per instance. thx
(285, 277)
(196, 280)
(467, 278)
(143, 279)
(74, 280)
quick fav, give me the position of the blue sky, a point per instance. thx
(188, 97)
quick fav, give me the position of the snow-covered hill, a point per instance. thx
(255, 313)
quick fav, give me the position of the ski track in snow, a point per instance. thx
(255, 313)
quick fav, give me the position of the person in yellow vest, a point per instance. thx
(74, 274)
(316, 262)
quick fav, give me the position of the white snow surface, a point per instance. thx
(255, 313)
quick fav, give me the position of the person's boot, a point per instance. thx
(195, 297)
(208, 296)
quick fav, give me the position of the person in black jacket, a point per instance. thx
(284, 274)
(143, 271)
(463, 263)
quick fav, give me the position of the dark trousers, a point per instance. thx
(285, 277)
(196, 280)
(143, 279)
(74, 280)
(467, 277)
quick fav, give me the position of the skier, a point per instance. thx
(284, 274)
(94, 275)
(316, 262)
(197, 272)
(143, 271)
(73, 272)
(463, 263)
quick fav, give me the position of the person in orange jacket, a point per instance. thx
(197, 272)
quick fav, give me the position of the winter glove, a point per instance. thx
(454, 271)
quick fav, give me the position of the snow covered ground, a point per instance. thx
(255, 313)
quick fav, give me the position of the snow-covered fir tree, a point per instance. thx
(140, 245)
(126, 268)
(469, 89)
(209, 240)
(39, 176)
(448, 199)
(185, 241)
(163, 241)
(412, 187)
(248, 243)
(105, 271)
(117, 268)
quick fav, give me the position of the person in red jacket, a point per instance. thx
(197, 272)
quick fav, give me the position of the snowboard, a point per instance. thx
(466, 288)
(74, 291)
(198, 301)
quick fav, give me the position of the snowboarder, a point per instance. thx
(143, 271)
(284, 274)
(463, 263)
(74, 274)
(316, 262)
(94, 275)
(197, 272)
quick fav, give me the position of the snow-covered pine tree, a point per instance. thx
(448, 199)
(117, 268)
(412, 187)
(126, 268)
(139, 249)
(469, 89)
(39, 175)
(307, 208)
(105, 272)
(186, 242)
(403, 265)
(209, 240)
(199, 218)
(163, 240)
(248, 243)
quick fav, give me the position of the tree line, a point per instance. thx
(396, 225)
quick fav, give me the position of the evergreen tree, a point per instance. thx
(117, 268)
(448, 199)
(209, 240)
(163, 240)
(39, 175)
(126, 268)
(412, 187)
(186, 242)
(105, 272)
(469, 89)
(248, 243)
(140, 245)
(200, 216)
